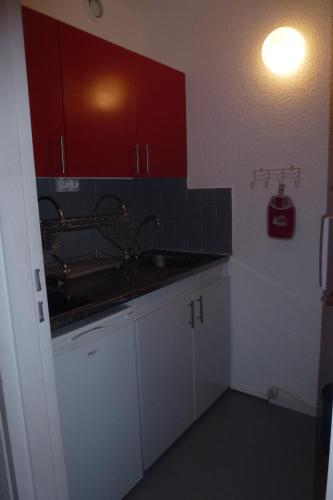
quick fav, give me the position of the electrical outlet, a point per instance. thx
(66, 185)
(61, 184)
(74, 185)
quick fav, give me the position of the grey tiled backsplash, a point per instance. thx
(190, 219)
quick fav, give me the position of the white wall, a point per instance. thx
(240, 118)
(119, 24)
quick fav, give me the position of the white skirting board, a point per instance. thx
(282, 400)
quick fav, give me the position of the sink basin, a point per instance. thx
(170, 259)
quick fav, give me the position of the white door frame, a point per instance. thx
(26, 361)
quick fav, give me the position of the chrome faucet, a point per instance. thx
(114, 197)
(149, 218)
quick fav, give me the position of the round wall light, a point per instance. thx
(283, 50)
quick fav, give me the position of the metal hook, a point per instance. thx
(279, 174)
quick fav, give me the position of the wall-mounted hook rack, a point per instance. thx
(265, 175)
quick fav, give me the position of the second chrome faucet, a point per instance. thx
(150, 218)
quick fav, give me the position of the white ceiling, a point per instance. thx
(140, 5)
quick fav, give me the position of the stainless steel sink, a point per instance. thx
(170, 259)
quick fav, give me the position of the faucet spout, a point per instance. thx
(149, 218)
(114, 197)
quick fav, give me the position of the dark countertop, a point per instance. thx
(96, 292)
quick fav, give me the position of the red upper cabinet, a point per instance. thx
(45, 94)
(98, 110)
(99, 105)
(161, 114)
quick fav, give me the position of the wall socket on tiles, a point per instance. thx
(66, 185)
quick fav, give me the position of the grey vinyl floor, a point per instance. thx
(241, 449)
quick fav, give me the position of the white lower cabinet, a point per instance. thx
(96, 377)
(174, 348)
(165, 358)
(183, 349)
(211, 334)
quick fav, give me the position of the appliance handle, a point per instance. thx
(63, 346)
(110, 323)
(78, 335)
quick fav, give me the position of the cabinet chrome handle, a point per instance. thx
(201, 310)
(62, 147)
(137, 150)
(191, 306)
(147, 159)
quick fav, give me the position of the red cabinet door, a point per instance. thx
(99, 105)
(161, 112)
(45, 94)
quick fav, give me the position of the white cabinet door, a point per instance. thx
(165, 354)
(211, 343)
(98, 400)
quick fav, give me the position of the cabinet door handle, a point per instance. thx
(62, 147)
(137, 150)
(191, 306)
(147, 159)
(201, 309)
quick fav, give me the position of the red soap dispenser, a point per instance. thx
(281, 215)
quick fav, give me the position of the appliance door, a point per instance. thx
(326, 253)
(98, 401)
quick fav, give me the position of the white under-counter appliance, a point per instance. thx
(96, 375)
